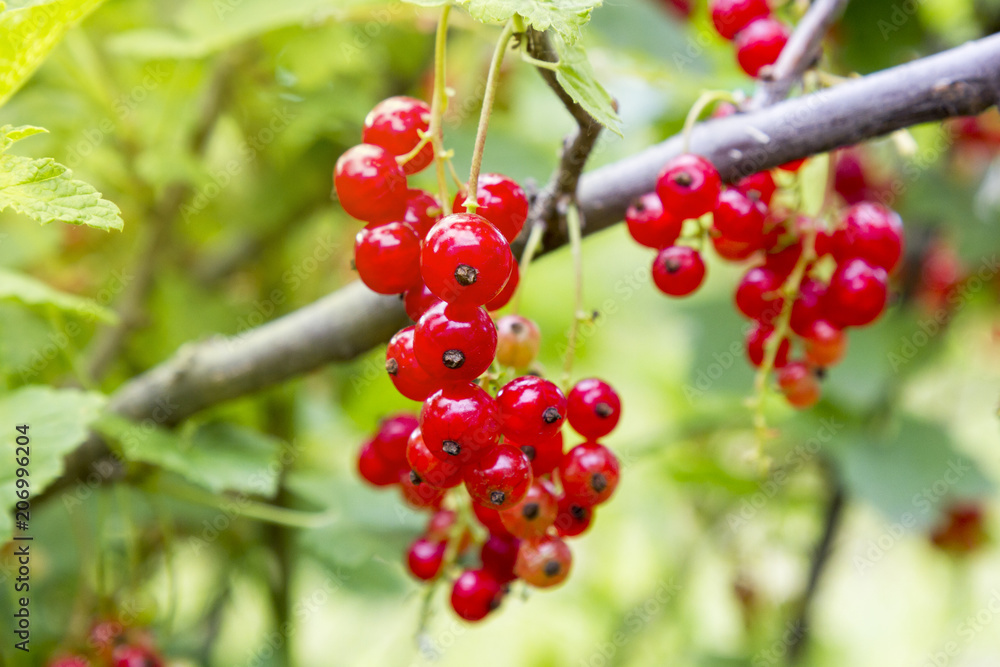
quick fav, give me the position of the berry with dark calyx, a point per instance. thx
(740, 218)
(543, 562)
(395, 124)
(429, 468)
(650, 225)
(465, 260)
(518, 340)
(593, 408)
(417, 493)
(535, 513)
(759, 186)
(418, 300)
(458, 422)
(759, 44)
(424, 558)
(572, 518)
(498, 556)
(808, 306)
(799, 384)
(825, 344)
(407, 375)
(134, 655)
(678, 270)
(731, 16)
(758, 296)
(871, 232)
(475, 594)
(504, 296)
(589, 473)
(374, 469)
(387, 257)
(531, 409)
(733, 250)
(756, 342)
(423, 210)
(455, 343)
(688, 186)
(490, 519)
(370, 185)
(501, 201)
(544, 455)
(857, 294)
(499, 478)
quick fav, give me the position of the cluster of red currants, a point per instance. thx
(750, 25)
(114, 644)
(851, 290)
(506, 449)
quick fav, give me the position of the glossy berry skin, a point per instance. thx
(870, 232)
(678, 270)
(407, 375)
(490, 519)
(572, 518)
(650, 225)
(134, 656)
(857, 294)
(589, 473)
(518, 340)
(544, 455)
(756, 341)
(390, 440)
(731, 249)
(498, 556)
(369, 183)
(504, 296)
(808, 306)
(499, 478)
(758, 296)
(543, 562)
(740, 218)
(475, 594)
(374, 469)
(799, 384)
(418, 300)
(429, 468)
(688, 186)
(535, 513)
(465, 260)
(825, 344)
(388, 257)
(423, 210)
(759, 44)
(731, 16)
(531, 409)
(395, 124)
(417, 493)
(593, 408)
(501, 201)
(459, 422)
(424, 558)
(455, 344)
(758, 187)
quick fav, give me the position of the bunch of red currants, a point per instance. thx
(500, 440)
(756, 34)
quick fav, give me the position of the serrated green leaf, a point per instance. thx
(565, 17)
(576, 76)
(58, 421)
(30, 34)
(9, 134)
(34, 293)
(216, 456)
(44, 190)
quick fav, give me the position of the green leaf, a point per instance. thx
(30, 34)
(216, 456)
(9, 134)
(576, 76)
(31, 292)
(58, 421)
(565, 17)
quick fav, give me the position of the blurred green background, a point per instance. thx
(696, 561)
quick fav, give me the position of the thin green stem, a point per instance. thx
(530, 248)
(576, 248)
(531, 60)
(439, 102)
(492, 82)
(706, 98)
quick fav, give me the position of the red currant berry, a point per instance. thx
(589, 473)
(544, 454)
(518, 340)
(544, 562)
(418, 300)
(678, 270)
(573, 518)
(808, 306)
(388, 257)
(688, 186)
(475, 594)
(871, 232)
(759, 44)
(424, 558)
(759, 186)
(498, 555)
(417, 493)
(825, 344)
(756, 342)
(731, 16)
(731, 249)
(458, 422)
(465, 260)
(127, 655)
(455, 344)
(740, 218)
(69, 661)
(850, 176)
(531, 409)
(431, 469)
(490, 518)
(369, 183)
(857, 294)
(504, 296)
(374, 469)
(395, 124)
(423, 210)
(501, 201)
(408, 377)
(799, 384)
(390, 440)
(500, 478)
(792, 166)
(593, 408)
(758, 295)
(535, 513)
(782, 262)
(650, 225)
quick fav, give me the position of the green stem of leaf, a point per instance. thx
(705, 99)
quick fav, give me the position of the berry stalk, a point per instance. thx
(530, 248)
(699, 106)
(439, 103)
(576, 248)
